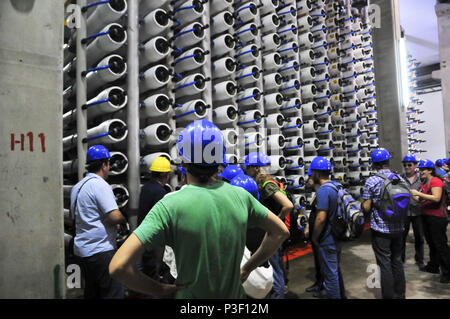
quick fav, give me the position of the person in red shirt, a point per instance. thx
(432, 203)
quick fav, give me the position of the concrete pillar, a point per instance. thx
(391, 107)
(31, 198)
(443, 15)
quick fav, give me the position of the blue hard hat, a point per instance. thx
(247, 183)
(320, 163)
(257, 159)
(182, 170)
(202, 143)
(448, 161)
(380, 155)
(409, 158)
(426, 164)
(439, 163)
(97, 152)
(230, 172)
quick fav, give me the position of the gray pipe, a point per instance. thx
(133, 176)
(81, 95)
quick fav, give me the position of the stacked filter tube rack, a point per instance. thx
(413, 111)
(290, 79)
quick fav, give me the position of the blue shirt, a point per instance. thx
(441, 172)
(372, 190)
(327, 200)
(95, 200)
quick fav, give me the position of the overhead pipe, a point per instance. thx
(155, 136)
(293, 125)
(189, 60)
(191, 111)
(246, 54)
(294, 162)
(104, 14)
(189, 11)
(273, 101)
(290, 106)
(220, 5)
(154, 106)
(223, 91)
(275, 120)
(252, 140)
(224, 43)
(221, 22)
(276, 142)
(269, 23)
(108, 101)
(293, 144)
(248, 75)
(146, 6)
(109, 132)
(225, 114)
(121, 194)
(190, 85)
(154, 50)
(108, 40)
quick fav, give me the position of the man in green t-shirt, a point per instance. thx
(205, 223)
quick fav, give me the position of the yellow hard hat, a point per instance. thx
(160, 164)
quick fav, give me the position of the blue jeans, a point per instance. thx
(276, 261)
(388, 253)
(333, 283)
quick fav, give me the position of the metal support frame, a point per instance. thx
(133, 173)
(81, 93)
(443, 17)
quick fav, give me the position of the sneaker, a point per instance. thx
(314, 288)
(429, 269)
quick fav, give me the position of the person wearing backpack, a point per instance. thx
(273, 198)
(386, 222)
(412, 178)
(328, 246)
(432, 202)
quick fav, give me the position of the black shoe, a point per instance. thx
(445, 280)
(319, 294)
(420, 265)
(429, 269)
(315, 287)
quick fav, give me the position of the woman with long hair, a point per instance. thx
(271, 196)
(432, 202)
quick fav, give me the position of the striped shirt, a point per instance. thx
(372, 190)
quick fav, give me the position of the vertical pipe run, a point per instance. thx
(207, 71)
(133, 176)
(81, 93)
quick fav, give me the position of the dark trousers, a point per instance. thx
(318, 275)
(277, 263)
(98, 282)
(333, 284)
(435, 229)
(419, 241)
(388, 253)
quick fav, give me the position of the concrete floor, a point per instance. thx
(355, 259)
